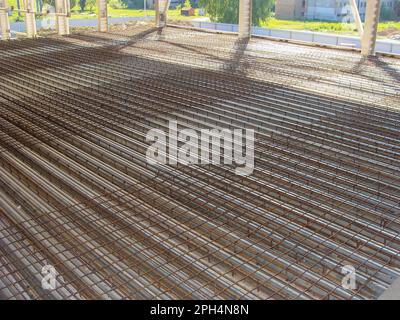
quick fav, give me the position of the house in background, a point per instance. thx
(329, 10)
(290, 9)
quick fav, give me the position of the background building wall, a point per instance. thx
(330, 10)
(322, 10)
(290, 9)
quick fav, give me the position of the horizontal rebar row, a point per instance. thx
(77, 193)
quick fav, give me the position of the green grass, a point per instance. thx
(14, 17)
(172, 14)
(321, 26)
(389, 25)
(76, 14)
(318, 26)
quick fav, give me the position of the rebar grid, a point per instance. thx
(77, 193)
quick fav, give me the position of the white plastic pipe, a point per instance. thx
(245, 18)
(356, 16)
(4, 21)
(102, 16)
(30, 20)
(368, 41)
(161, 7)
(62, 10)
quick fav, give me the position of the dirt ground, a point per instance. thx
(391, 33)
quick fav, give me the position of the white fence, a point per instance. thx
(386, 46)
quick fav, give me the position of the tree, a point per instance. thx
(227, 11)
(387, 14)
(73, 3)
(82, 4)
(396, 7)
(91, 4)
(117, 4)
(19, 8)
(52, 3)
(134, 4)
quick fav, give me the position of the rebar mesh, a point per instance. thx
(77, 193)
